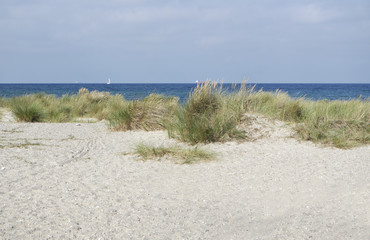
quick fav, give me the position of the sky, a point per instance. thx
(173, 41)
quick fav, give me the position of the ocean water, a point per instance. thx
(139, 91)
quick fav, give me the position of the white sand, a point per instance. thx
(77, 184)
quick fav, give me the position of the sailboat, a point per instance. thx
(108, 81)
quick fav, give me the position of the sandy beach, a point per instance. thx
(82, 181)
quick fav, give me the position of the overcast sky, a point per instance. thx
(173, 41)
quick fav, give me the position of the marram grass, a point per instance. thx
(209, 115)
(342, 124)
(48, 108)
(28, 111)
(150, 113)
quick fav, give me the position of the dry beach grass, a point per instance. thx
(209, 115)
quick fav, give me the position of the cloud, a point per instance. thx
(247, 33)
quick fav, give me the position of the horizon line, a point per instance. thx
(186, 83)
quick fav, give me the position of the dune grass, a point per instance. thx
(3, 102)
(27, 111)
(181, 155)
(212, 115)
(342, 124)
(150, 113)
(209, 115)
(277, 105)
(48, 108)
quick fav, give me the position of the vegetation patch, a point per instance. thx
(178, 154)
(150, 113)
(48, 108)
(343, 124)
(26, 110)
(208, 116)
(26, 144)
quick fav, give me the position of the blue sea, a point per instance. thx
(139, 91)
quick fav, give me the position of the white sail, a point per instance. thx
(108, 81)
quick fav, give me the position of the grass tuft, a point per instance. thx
(208, 116)
(27, 110)
(151, 113)
(184, 155)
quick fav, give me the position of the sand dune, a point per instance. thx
(80, 181)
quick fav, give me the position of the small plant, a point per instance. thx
(186, 156)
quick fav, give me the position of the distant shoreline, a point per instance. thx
(249, 83)
(331, 91)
